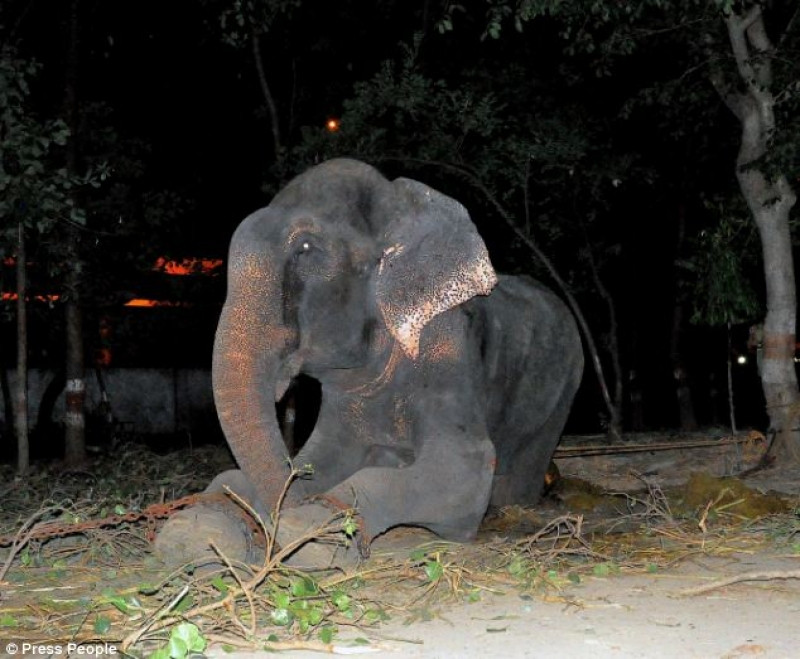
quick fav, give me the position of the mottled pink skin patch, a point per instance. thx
(406, 321)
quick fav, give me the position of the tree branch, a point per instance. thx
(743, 33)
(268, 99)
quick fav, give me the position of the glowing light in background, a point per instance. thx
(144, 302)
(12, 297)
(332, 125)
(187, 266)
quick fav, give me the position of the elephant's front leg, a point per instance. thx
(446, 484)
(446, 489)
(336, 448)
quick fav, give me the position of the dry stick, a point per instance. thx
(747, 576)
(311, 646)
(247, 593)
(134, 636)
(583, 451)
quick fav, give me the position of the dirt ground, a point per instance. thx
(626, 614)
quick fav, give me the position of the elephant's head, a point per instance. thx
(339, 253)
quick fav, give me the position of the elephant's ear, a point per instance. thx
(434, 261)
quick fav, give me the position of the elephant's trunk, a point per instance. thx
(249, 343)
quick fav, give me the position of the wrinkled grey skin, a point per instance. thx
(442, 388)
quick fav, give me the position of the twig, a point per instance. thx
(247, 593)
(23, 536)
(133, 637)
(769, 575)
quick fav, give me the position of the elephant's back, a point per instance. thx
(531, 353)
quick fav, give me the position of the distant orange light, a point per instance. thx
(188, 266)
(12, 297)
(139, 302)
(332, 125)
(144, 302)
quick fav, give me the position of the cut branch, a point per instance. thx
(747, 576)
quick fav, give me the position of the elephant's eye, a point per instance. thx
(303, 246)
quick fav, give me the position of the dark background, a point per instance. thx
(187, 110)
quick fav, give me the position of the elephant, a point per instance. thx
(444, 386)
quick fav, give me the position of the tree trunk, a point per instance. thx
(614, 427)
(74, 437)
(74, 421)
(683, 390)
(21, 393)
(769, 198)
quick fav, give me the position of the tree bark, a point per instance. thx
(770, 199)
(74, 436)
(21, 389)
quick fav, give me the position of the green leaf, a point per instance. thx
(315, 615)
(604, 569)
(7, 620)
(517, 566)
(434, 570)
(177, 648)
(375, 615)
(220, 585)
(303, 587)
(574, 577)
(350, 526)
(282, 600)
(190, 636)
(147, 588)
(102, 624)
(327, 633)
(281, 617)
(340, 600)
(117, 602)
(186, 603)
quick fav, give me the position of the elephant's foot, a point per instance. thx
(323, 549)
(187, 537)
